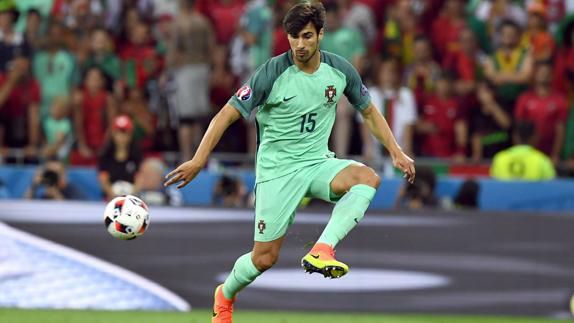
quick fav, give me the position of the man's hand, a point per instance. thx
(405, 164)
(184, 173)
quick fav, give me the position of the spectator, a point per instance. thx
(510, 67)
(26, 7)
(422, 74)
(495, 12)
(54, 68)
(34, 33)
(78, 15)
(547, 110)
(19, 108)
(397, 35)
(94, 110)
(442, 124)
(466, 65)
(229, 192)
(256, 36)
(489, 124)
(149, 184)
(447, 28)
(139, 60)
(101, 55)
(349, 44)
(280, 42)
(119, 161)
(51, 183)
(397, 104)
(189, 55)
(537, 38)
(522, 161)
(359, 17)
(12, 43)
(420, 194)
(564, 64)
(136, 107)
(467, 196)
(222, 83)
(58, 130)
(224, 16)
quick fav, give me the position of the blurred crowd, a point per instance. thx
(112, 83)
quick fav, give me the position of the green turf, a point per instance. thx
(202, 316)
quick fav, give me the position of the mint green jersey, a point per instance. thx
(297, 110)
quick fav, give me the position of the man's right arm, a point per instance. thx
(187, 171)
(222, 120)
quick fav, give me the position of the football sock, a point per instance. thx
(347, 213)
(243, 273)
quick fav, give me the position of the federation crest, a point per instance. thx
(244, 93)
(330, 93)
(261, 226)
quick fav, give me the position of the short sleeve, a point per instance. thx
(252, 94)
(255, 92)
(355, 90)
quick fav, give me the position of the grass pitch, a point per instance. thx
(204, 316)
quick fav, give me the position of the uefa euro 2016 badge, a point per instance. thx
(244, 93)
(364, 90)
(330, 94)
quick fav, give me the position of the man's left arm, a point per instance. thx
(380, 129)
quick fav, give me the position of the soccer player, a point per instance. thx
(296, 94)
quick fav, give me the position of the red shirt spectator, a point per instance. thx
(225, 15)
(140, 60)
(20, 98)
(18, 108)
(280, 42)
(547, 109)
(442, 114)
(94, 112)
(447, 27)
(545, 112)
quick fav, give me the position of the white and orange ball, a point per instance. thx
(126, 217)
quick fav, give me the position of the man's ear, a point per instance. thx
(321, 34)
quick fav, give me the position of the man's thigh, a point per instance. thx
(275, 204)
(325, 173)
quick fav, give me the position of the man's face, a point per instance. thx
(305, 44)
(543, 75)
(509, 36)
(6, 19)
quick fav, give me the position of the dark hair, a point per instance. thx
(524, 131)
(301, 14)
(567, 34)
(467, 196)
(34, 11)
(509, 23)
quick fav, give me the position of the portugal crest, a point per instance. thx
(330, 93)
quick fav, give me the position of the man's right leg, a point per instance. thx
(251, 265)
(246, 269)
(276, 202)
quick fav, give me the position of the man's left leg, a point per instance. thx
(357, 185)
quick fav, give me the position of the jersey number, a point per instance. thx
(308, 122)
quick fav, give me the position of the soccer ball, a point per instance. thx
(126, 217)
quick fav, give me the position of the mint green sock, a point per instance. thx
(243, 273)
(347, 213)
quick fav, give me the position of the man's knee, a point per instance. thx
(367, 176)
(264, 261)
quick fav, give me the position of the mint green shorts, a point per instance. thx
(277, 200)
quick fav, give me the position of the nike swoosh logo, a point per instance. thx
(316, 257)
(287, 99)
